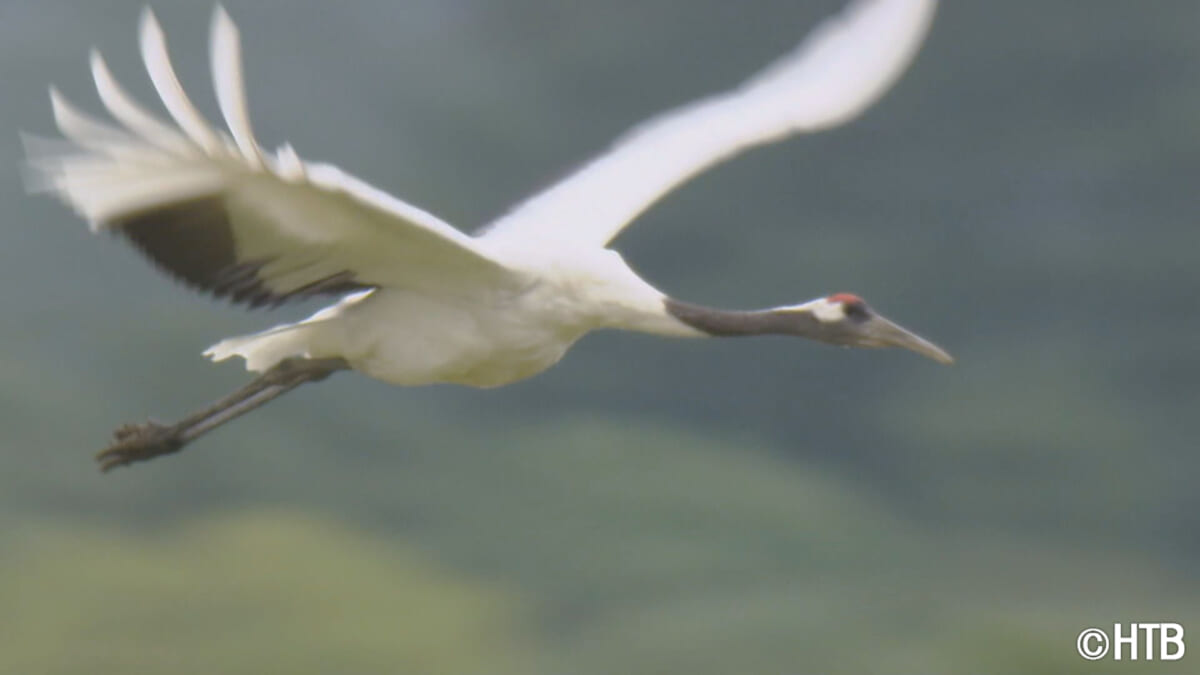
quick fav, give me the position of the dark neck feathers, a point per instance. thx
(728, 323)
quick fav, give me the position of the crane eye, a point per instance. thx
(856, 311)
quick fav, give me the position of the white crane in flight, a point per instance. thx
(420, 301)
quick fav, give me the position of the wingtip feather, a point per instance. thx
(80, 128)
(846, 63)
(162, 74)
(148, 27)
(229, 82)
(133, 116)
(222, 19)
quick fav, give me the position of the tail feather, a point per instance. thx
(265, 349)
(313, 338)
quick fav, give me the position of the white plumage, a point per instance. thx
(422, 301)
(843, 67)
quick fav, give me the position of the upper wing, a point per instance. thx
(216, 211)
(846, 63)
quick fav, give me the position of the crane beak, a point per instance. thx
(879, 332)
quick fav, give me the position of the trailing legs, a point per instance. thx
(141, 442)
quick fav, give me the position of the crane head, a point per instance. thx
(838, 319)
(846, 319)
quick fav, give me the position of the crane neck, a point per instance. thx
(735, 323)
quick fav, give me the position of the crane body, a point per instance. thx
(481, 336)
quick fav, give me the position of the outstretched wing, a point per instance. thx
(846, 63)
(216, 211)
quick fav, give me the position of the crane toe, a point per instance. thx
(138, 443)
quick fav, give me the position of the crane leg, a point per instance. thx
(141, 442)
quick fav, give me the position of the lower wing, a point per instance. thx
(216, 211)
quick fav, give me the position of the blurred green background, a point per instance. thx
(1026, 197)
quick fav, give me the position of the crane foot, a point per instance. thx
(138, 443)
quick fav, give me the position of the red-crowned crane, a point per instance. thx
(420, 301)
